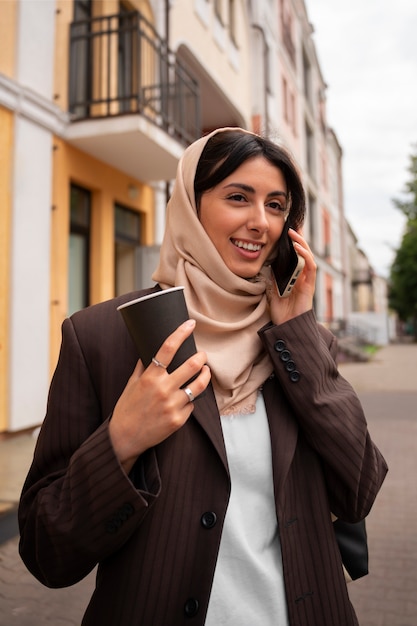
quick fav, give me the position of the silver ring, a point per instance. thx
(189, 394)
(158, 363)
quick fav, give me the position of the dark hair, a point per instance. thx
(227, 150)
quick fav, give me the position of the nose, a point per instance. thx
(257, 219)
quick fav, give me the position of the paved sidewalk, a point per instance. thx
(387, 597)
(387, 387)
(388, 390)
(393, 368)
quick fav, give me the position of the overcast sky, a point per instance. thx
(367, 50)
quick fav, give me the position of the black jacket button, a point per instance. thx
(295, 376)
(209, 519)
(191, 607)
(285, 355)
(126, 511)
(290, 366)
(279, 345)
(111, 527)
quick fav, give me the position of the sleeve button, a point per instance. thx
(279, 345)
(285, 356)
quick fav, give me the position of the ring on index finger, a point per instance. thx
(158, 363)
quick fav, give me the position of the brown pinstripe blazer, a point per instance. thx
(155, 547)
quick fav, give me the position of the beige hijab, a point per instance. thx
(228, 309)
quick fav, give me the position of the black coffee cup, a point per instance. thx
(152, 318)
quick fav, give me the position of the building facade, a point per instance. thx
(98, 99)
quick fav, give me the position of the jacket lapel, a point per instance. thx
(207, 415)
(284, 433)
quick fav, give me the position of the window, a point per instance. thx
(307, 78)
(329, 299)
(310, 160)
(326, 234)
(287, 34)
(82, 10)
(293, 116)
(127, 239)
(289, 106)
(268, 85)
(79, 249)
(285, 99)
(311, 219)
(324, 173)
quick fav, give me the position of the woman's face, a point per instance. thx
(244, 215)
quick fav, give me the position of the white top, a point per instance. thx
(248, 586)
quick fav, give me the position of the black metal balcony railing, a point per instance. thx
(119, 65)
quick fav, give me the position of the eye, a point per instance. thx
(237, 197)
(277, 206)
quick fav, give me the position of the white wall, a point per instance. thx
(31, 99)
(29, 294)
(36, 39)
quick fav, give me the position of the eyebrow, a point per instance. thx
(250, 189)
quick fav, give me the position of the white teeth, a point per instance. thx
(247, 246)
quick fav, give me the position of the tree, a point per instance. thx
(403, 275)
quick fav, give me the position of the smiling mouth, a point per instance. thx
(252, 247)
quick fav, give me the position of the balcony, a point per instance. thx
(132, 102)
(362, 276)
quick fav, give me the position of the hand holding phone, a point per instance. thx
(286, 274)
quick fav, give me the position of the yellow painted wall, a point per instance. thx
(6, 139)
(108, 186)
(111, 7)
(8, 9)
(63, 17)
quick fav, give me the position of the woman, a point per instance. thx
(206, 508)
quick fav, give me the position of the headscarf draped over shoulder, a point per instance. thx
(228, 309)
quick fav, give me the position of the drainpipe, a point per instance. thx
(167, 28)
(265, 73)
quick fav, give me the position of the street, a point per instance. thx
(387, 387)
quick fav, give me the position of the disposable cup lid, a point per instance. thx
(149, 296)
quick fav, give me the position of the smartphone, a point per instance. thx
(286, 274)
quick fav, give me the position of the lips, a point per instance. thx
(251, 247)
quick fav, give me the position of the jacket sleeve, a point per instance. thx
(77, 505)
(328, 412)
